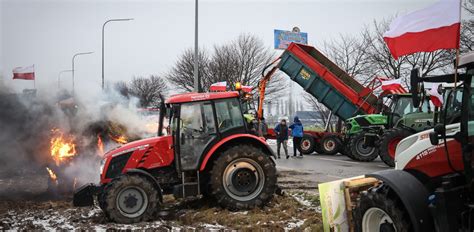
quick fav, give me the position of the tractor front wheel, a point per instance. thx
(130, 199)
(376, 211)
(359, 151)
(243, 177)
(388, 144)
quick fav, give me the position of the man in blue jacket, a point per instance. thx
(281, 131)
(297, 133)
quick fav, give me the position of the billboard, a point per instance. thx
(284, 38)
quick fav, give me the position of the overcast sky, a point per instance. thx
(47, 33)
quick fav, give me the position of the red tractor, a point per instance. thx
(209, 150)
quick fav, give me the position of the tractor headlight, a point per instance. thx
(102, 164)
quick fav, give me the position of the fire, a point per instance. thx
(100, 145)
(52, 175)
(119, 139)
(62, 147)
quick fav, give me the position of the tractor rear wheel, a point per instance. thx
(376, 211)
(360, 151)
(388, 144)
(130, 199)
(307, 144)
(330, 144)
(243, 177)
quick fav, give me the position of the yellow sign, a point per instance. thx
(305, 74)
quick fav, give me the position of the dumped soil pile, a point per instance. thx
(291, 212)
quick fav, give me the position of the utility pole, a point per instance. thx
(196, 49)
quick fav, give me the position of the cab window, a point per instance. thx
(228, 114)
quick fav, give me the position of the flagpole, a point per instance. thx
(459, 46)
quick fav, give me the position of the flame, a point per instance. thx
(100, 145)
(52, 175)
(62, 147)
(120, 139)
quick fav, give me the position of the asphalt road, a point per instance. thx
(324, 168)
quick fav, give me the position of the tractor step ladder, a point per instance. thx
(190, 185)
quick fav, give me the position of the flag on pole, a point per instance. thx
(219, 86)
(247, 88)
(426, 30)
(435, 96)
(392, 86)
(24, 73)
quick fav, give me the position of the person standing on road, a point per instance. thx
(297, 133)
(281, 131)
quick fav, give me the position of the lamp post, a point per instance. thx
(59, 76)
(73, 58)
(103, 41)
(196, 51)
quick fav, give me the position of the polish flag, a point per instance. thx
(219, 86)
(247, 88)
(392, 86)
(426, 30)
(25, 73)
(435, 96)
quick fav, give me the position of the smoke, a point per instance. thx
(26, 121)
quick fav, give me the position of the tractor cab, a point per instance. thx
(401, 108)
(200, 120)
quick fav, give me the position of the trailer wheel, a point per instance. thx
(130, 199)
(307, 144)
(243, 177)
(359, 151)
(377, 211)
(330, 144)
(388, 144)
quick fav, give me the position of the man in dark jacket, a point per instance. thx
(297, 133)
(281, 131)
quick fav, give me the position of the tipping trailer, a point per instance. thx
(344, 96)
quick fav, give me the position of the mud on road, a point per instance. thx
(297, 210)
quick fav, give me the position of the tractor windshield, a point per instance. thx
(404, 106)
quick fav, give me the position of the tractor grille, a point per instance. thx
(117, 164)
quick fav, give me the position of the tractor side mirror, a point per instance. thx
(438, 130)
(434, 139)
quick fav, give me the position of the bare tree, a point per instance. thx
(467, 27)
(181, 74)
(122, 88)
(242, 59)
(147, 90)
(349, 53)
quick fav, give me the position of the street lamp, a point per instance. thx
(59, 75)
(196, 51)
(73, 58)
(103, 28)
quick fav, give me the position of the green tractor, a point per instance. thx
(378, 134)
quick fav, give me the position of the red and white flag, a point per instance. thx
(392, 86)
(435, 96)
(426, 30)
(219, 86)
(25, 73)
(247, 88)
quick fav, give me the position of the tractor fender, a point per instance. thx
(148, 176)
(413, 195)
(249, 137)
